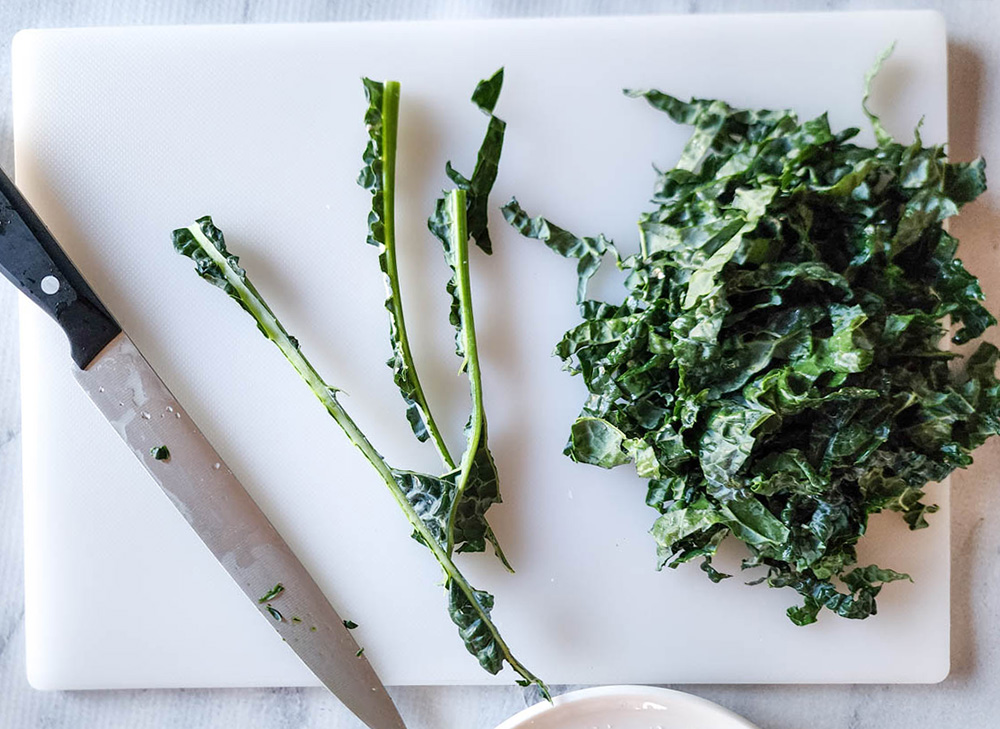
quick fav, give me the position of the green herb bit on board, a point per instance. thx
(160, 453)
(272, 593)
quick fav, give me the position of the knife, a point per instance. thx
(180, 459)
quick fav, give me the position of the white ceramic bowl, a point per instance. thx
(626, 707)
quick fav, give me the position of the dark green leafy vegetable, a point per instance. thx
(588, 251)
(424, 499)
(275, 614)
(160, 453)
(350, 624)
(774, 370)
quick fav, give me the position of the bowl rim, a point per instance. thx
(666, 696)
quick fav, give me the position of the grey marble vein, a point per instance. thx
(969, 698)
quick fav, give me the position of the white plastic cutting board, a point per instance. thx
(124, 134)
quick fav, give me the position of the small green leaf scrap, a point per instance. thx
(272, 593)
(160, 453)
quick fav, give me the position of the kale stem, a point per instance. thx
(390, 119)
(240, 288)
(643, 246)
(276, 332)
(459, 233)
(475, 432)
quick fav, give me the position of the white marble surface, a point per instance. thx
(969, 698)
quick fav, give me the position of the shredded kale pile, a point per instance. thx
(775, 370)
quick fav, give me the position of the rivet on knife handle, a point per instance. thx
(34, 262)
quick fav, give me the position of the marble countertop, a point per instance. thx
(969, 698)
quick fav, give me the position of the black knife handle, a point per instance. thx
(33, 261)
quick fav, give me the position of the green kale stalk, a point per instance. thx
(379, 176)
(447, 512)
(425, 500)
(774, 370)
(475, 476)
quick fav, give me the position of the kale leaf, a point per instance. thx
(774, 369)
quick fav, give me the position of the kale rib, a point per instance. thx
(476, 452)
(423, 499)
(460, 215)
(477, 422)
(379, 176)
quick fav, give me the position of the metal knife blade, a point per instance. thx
(133, 398)
(146, 416)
